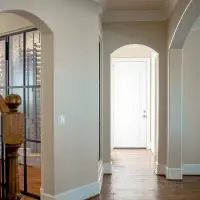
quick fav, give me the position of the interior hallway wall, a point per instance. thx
(191, 97)
(70, 35)
(154, 35)
(179, 25)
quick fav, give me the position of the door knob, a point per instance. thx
(144, 116)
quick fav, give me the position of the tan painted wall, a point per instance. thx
(182, 72)
(10, 23)
(191, 99)
(175, 18)
(70, 34)
(154, 35)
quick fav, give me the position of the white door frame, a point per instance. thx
(147, 61)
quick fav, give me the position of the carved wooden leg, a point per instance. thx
(12, 179)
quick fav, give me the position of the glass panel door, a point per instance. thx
(20, 73)
(2, 92)
(33, 120)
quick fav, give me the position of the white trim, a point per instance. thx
(182, 89)
(174, 173)
(81, 193)
(188, 169)
(191, 169)
(160, 169)
(107, 168)
(45, 196)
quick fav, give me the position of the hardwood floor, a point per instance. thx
(133, 179)
(33, 179)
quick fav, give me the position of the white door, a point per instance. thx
(129, 85)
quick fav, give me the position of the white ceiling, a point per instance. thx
(137, 10)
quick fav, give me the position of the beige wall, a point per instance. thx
(191, 99)
(11, 23)
(180, 84)
(173, 22)
(116, 35)
(183, 98)
(70, 34)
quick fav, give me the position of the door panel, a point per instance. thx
(20, 73)
(129, 102)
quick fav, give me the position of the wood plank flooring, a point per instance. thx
(33, 179)
(133, 179)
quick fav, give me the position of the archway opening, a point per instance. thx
(190, 98)
(134, 106)
(26, 66)
(183, 98)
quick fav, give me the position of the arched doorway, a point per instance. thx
(179, 31)
(134, 98)
(25, 49)
(115, 37)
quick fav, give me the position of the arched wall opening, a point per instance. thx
(115, 36)
(134, 98)
(182, 72)
(190, 101)
(18, 28)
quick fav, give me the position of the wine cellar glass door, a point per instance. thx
(20, 73)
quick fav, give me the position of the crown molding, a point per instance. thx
(129, 16)
(136, 15)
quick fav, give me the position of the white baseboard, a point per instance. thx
(107, 168)
(191, 169)
(177, 173)
(45, 196)
(174, 173)
(81, 193)
(160, 169)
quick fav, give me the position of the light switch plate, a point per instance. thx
(61, 119)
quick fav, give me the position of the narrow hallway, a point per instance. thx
(133, 179)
